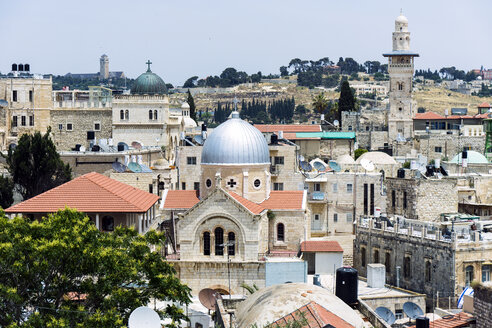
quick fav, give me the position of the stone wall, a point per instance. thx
(442, 146)
(482, 303)
(333, 148)
(296, 230)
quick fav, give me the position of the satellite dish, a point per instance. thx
(305, 166)
(208, 297)
(135, 167)
(367, 165)
(144, 317)
(319, 166)
(334, 166)
(301, 158)
(336, 123)
(145, 168)
(412, 310)
(118, 167)
(198, 139)
(3, 103)
(137, 145)
(386, 315)
(122, 146)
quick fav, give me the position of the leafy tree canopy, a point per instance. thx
(6, 191)
(191, 102)
(46, 265)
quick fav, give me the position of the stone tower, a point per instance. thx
(104, 67)
(400, 69)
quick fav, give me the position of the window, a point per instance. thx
(231, 240)
(23, 120)
(208, 183)
(31, 120)
(151, 188)
(398, 314)
(280, 232)
(349, 187)
(69, 126)
(219, 241)
(60, 127)
(485, 273)
(206, 243)
(363, 256)
(196, 186)
(406, 266)
(404, 199)
(30, 95)
(400, 86)
(150, 114)
(279, 160)
(127, 115)
(278, 186)
(428, 270)
(14, 95)
(400, 109)
(366, 199)
(350, 127)
(349, 217)
(371, 208)
(14, 121)
(468, 275)
(335, 217)
(438, 149)
(367, 127)
(393, 199)
(108, 223)
(191, 160)
(317, 187)
(257, 183)
(387, 262)
(122, 114)
(335, 187)
(183, 185)
(97, 126)
(155, 114)
(375, 259)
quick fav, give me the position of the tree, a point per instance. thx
(359, 152)
(191, 82)
(45, 265)
(6, 191)
(346, 101)
(284, 71)
(191, 103)
(35, 165)
(320, 103)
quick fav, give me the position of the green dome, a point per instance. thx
(149, 84)
(473, 158)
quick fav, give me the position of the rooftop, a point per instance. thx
(453, 321)
(321, 246)
(179, 199)
(265, 128)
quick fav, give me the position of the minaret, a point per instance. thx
(104, 68)
(400, 69)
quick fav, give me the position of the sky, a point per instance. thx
(203, 37)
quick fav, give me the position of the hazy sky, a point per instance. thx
(202, 37)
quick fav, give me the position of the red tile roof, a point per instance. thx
(428, 116)
(316, 317)
(284, 200)
(90, 193)
(321, 246)
(251, 206)
(484, 105)
(180, 199)
(453, 321)
(288, 127)
(293, 136)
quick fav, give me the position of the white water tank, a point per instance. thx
(376, 275)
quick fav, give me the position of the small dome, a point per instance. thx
(235, 142)
(149, 84)
(473, 158)
(345, 159)
(185, 105)
(189, 122)
(401, 20)
(377, 157)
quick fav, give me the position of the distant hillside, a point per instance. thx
(437, 99)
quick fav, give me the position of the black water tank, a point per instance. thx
(121, 147)
(91, 135)
(274, 139)
(401, 173)
(422, 322)
(27, 68)
(77, 147)
(14, 67)
(465, 154)
(20, 68)
(96, 148)
(204, 127)
(347, 284)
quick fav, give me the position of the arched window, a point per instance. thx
(406, 267)
(108, 223)
(219, 241)
(127, 115)
(363, 256)
(231, 239)
(387, 262)
(155, 114)
(206, 243)
(122, 114)
(428, 271)
(280, 232)
(400, 86)
(376, 256)
(150, 114)
(468, 275)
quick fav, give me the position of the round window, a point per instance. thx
(257, 183)
(208, 183)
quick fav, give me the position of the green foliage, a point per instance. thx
(6, 192)
(270, 215)
(320, 103)
(251, 289)
(406, 165)
(191, 103)
(35, 165)
(45, 264)
(359, 152)
(346, 102)
(281, 110)
(191, 82)
(284, 71)
(83, 84)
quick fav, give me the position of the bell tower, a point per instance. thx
(400, 69)
(104, 67)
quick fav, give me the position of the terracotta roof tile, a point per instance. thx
(316, 317)
(284, 200)
(251, 206)
(264, 128)
(91, 192)
(454, 321)
(321, 246)
(180, 199)
(428, 116)
(484, 105)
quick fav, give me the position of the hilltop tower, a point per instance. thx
(400, 69)
(104, 67)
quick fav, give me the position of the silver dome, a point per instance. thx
(235, 142)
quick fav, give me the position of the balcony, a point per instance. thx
(275, 170)
(316, 196)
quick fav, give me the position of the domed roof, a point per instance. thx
(189, 122)
(345, 159)
(401, 19)
(149, 84)
(377, 157)
(473, 158)
(272, 303)
(235, 142)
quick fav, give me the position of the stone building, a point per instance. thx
(482, 304)
(421, 199)
(417, 257)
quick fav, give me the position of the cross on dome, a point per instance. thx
(148, 63)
